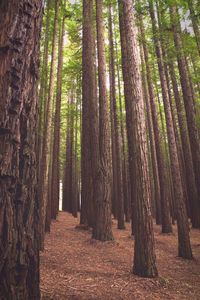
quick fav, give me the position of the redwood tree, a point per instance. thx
(144, 252)
(103, 227)
(20, 23)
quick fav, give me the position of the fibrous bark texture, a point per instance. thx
(20, 23)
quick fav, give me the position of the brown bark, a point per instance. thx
(144, 252)
(126, 190)
(20, 23)
(89, 136)
(55, 180)
(156, 181)
(162, 168)
(103, 226)
(184, 248)
(187, 96)
(43, 183)
(190, 176)
(43, 90)
(118, 180)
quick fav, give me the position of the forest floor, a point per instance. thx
(73, 266)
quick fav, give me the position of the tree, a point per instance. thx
(89, 155)
(56, 141)
(117, 179)
(20, 24)
(103, 226)
(144, 252)
(43, 181)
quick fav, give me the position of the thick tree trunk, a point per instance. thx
(144, 253)
(103, 225)
(20, 23)
(89, 154)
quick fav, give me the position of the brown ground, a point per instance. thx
(75, 267)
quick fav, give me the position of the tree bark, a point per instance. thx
(162, 168)
(144, 252)
(103, 225)
(89, 136)
(55, 180)
(20, 23)
(184, 247)
(116, 140)
(43, 183)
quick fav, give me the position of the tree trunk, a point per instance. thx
(43, 184)
(103, 225)
(89, 135)
(20, 23)
(144, 252)
(119, 179)
(55, 180)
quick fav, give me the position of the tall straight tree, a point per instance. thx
(89, 154)
(184, 247)
(43, 183)
(20, 24)
(116, 139)
(144, 252)
(55, 190)
(103, 224)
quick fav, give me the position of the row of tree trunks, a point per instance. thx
(188, 98)
(162, 168)
(184, 248)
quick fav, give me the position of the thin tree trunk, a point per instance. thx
(119, 179)
(43, 184)
(55, 180)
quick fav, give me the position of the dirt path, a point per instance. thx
(75, 267)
